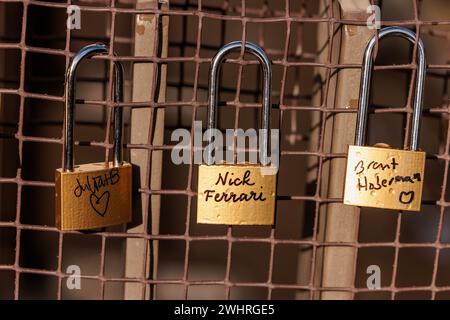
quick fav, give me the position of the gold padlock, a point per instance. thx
(92, 195)
(382, 177)
(238, 194)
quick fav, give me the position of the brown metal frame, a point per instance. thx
(244, 15)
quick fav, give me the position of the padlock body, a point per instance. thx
(93, 195)
(236, 194)
(384, 178)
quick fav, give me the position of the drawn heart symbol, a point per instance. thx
(100, 204)
(406, 197)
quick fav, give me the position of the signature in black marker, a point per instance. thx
(93, 185)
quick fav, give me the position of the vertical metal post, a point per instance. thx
(147, 123)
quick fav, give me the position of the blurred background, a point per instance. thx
(178, 258)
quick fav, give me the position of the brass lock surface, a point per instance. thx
(238, 194)
(383, 177)
(92, 195)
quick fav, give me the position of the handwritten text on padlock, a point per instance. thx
(384, 178)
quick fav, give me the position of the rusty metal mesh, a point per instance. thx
(27, 229)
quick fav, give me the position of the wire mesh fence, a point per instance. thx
(180, 258)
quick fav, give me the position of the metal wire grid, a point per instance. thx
(240, 12)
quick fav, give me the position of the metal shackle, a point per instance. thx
(365, 85)
(87, 52)
(213, 95)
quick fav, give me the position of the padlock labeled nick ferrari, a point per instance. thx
(238, 194)
(92, 195)
(380, 176)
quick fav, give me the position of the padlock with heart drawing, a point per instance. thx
(97, 194)
(380, 176)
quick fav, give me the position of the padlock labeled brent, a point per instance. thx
(238, 194)
(92, 195)
(380, 176)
